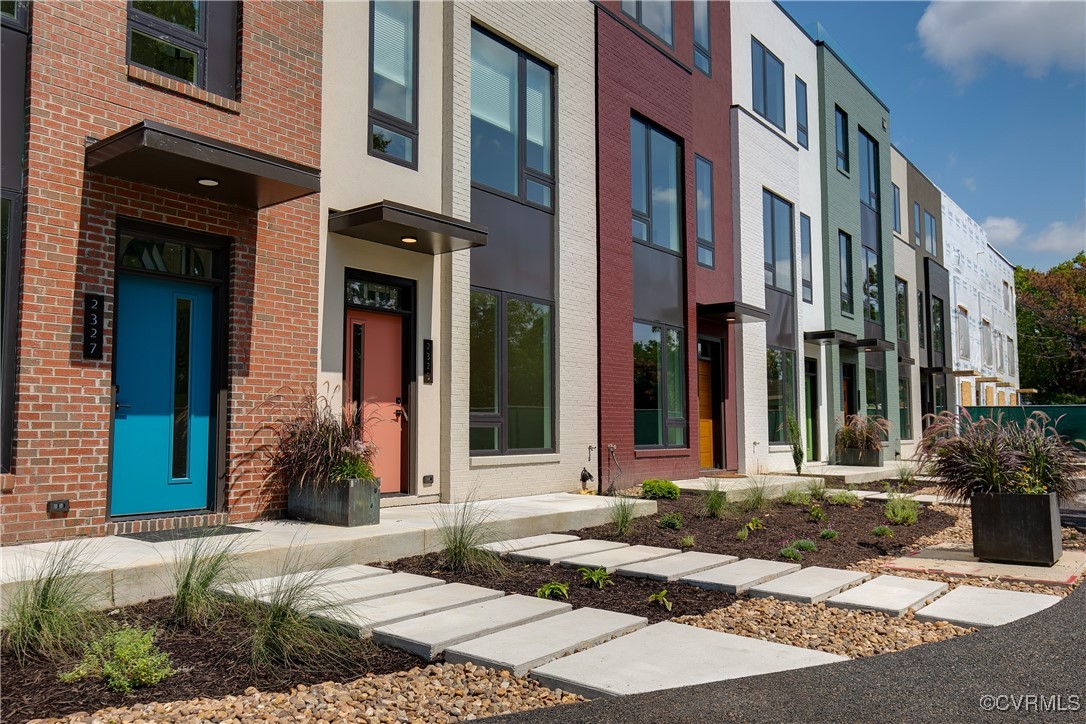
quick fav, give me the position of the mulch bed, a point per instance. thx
(212, 662)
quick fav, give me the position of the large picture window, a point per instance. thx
(659, 377)
(876, 392)
(768, 73)
(704, 181)
(844, 244)
(781, 390)
(394, 32)
(194, 41)
(807, 272)
(654, 186)
(777, 241)
(653, 15)
(511, 399)
(902, 294)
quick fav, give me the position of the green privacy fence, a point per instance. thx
(1069, 420)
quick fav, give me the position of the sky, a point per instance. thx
(988, 100)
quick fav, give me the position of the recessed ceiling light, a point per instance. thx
(207, 182)
(408, 239)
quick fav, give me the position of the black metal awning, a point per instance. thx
(406, 227)
(874, 344)
(830, 336)
(732, 312)
(188, 163)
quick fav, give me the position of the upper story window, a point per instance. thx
(702, 56)
(938, 344)
(194, 41)
(922, 334)
(844, 243)
(963, 332)
(1006, 296)
(869, 171)
(511, 121)
(777, 241)
(652, 15)
(806, 270)
(801, 112)
(902, 292)
(917, 228)
(872, 288)
(1010, 355)
(841, 123)
(394, 56)
(767, 72)
(931, 242)
(704, 179)
(897, 209)
(654, 186)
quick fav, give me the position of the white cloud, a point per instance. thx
(1059, 237)
(1003, 230)
(1036, 36)
(970, 183)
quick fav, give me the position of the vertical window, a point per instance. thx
(10, 259)
(1010, 356)
(777, 241)
(193, 40)
(917, 229)
(768, 77)
(876, 392)
(652, 15)
(801, 112)
(905, 418)
(986, 341)
(659, 376)
(920, 318)
(511, 375)
(511, 121)
(999, 351)
(1006, 296)
(702, 55)
(781, 389)
(902, 309)
(182, 336)
(869, 171)
(704, 182)
(393, 80)
(654, 186)
(805, 256)
(897, 209)
(931, 242)
(844, 242)
(938, 344)
(962, 330)
(841, 120)
(872, 295)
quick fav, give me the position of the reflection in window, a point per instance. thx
(363, 293)
(844, 242)
(897, 208)
(905, 419)
(937, 342)
(768, 92)
(169, 37)
(659, 377)
(872, 295)
(394, 56)
(876, 392)
(931, 240)
(780, 386)
(704, 183)
(805, 256)
(777, 241)
(182, 337)
(654, 180)
(653, 15)
(166, 257)
(869, 171)
(801, 112)
(701, 36)
(902, 292)
(841, 122)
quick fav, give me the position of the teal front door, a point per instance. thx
(163, 421)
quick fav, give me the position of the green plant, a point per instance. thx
(687, 541)
(861, 432)
(816, 489)
(207, 564)
(805, 545)
(791, 554)
(906, 475)
(881, 531)
(598, 577)
(464, 529)
(126, 658)
(742, 533)
(620, 510)
(353, 467)
(756, 495)
(816, 513)
(796, 497)
(50, 614)
(795, 440)
(828, 534)
(715, 501)
(657, 489)
(844, 497)
(755, 524)
(553, 590)
(674, 521)
(901, 509)
(660, 597)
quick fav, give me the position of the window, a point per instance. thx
(905, 418)
(931, 243)
(986, 341)
(654, 185)
(876, 392)
(805, 256)
(844, 242)
(869, 171)
(659, 386)
(801, 112)
(897, 209)
(1010, 356)
(781, 388)
(872, 296)
(938, 344)
(777, 241)
(511, 393)
(511, 121)
(1006, 296)
(10, 261)
(917, 229)
(920, 318)
(194, 41)
(652, 15)
(15, 11)
(704, 179)
(962, 331)
(701, 37)
(394, 56)
(902, 309)
(767, 72)
(842, 139)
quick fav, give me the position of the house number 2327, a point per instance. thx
(93, 314)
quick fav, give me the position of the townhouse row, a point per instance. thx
(528, 240)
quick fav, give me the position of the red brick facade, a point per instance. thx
(80, 86)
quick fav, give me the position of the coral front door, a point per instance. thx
(374, 383)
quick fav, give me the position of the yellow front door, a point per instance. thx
(705, 412)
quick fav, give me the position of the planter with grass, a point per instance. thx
(858, 442)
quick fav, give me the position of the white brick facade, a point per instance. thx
(905, 268)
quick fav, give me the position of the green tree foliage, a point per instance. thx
(1052, 331)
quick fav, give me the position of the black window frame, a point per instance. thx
(500, 419)
(938, 328)
(920, 324)
(757, 46)
(931, 241)
(878, 375)
(680, 195)
(702, 54)
(872, 299)
(195, 42)
(868, 149)
(897, 207)
(806, 260)
(386, 120)
(791, 399)
(636, 16)
(918, 231)
(802, 130)
(708, 244)
(9, 325)
(524, 172)
(770, 265)
(20, 20)
(905, 403)
(901, 291)
(841, 138)
(669, 422)
(844, 247)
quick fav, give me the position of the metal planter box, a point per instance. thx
(351, 503)
(859, 458)
(1013, 528)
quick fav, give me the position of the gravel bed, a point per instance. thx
(855, 634)
(437, 693)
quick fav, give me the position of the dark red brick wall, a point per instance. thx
(80, 85)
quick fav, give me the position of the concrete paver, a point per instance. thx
(809, 585)
(261, 586)
(741, 575)
(671, 568)
(892, 595)
(532, 541)
(982, 607)
(617, 557)
(374, 587)
(367, 615)
(552, 554)
(958, 560)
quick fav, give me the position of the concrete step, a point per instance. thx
(374, 587)
(810, 585)
(532, 541)
(739, 576)
(982, 607)
(668, 655)
(261, 586)
(892, 595)
(522, 648)
(428, 636)
(617, 557)
(671, 568)
(366, 615)
(552, 554)
(861, 494)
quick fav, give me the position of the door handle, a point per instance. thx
(118, 406)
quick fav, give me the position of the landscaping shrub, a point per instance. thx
(553, 590)
(464, 529)
(882, 531)
(598, 577)
(715, 500)
(756, 495)
(844, 497)
(621, 512)
(207, 562)
(755, 524)
(742, 533)
(125, 659)
(828, 534)
(796, 497)
(805, 545)
(861, 432)
(656, 489)
(901, 509)
(687, 541)
(660, 597)
(674, 521)
(816, 514)
(906, 475)
(816, 489)
(791, 554)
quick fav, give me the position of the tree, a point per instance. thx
(1052, 331)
